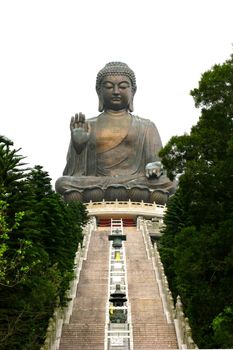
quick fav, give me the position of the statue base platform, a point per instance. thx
(118, 192)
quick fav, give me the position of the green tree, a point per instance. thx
(39, 237)
(13, 265)
(197, 245)
(223, 328)
(60, 224)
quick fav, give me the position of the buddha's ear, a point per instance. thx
(131, 104)
(101, 104)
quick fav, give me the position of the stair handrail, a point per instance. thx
(62, 315)
(131, 346)
(183, 329)
(164, 283)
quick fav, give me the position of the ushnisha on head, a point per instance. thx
(115, 69)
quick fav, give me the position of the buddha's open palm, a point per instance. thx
(80, 131)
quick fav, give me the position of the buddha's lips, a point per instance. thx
(116, 98)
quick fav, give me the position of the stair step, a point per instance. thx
(150, 328)
(86, 329)
(81, 336)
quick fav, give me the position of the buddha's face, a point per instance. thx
(116, 92)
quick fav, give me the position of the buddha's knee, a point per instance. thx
(70, 194)
(60, 185)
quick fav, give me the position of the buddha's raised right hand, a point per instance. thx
(80, 131)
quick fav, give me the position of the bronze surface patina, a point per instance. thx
(114, 155)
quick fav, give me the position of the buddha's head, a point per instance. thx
(116, 86)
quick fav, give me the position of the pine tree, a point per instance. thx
(39, 237)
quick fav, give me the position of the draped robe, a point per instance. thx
(122, 163)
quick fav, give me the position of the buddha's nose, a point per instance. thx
(116, 89)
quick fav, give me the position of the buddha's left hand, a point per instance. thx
(154, 169)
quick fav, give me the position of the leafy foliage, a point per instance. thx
(39, 235)
(223, 327)
(197, 245)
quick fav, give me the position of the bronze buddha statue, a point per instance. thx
(114, 155)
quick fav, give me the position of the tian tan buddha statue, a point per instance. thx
(114, 155)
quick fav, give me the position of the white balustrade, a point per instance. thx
(125, 207)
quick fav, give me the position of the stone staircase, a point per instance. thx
(150, 328)
(86, 328)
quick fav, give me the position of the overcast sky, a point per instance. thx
(51, 51)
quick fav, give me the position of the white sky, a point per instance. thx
(51, 51)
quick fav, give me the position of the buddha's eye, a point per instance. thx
(108, 85)
(124, 85)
